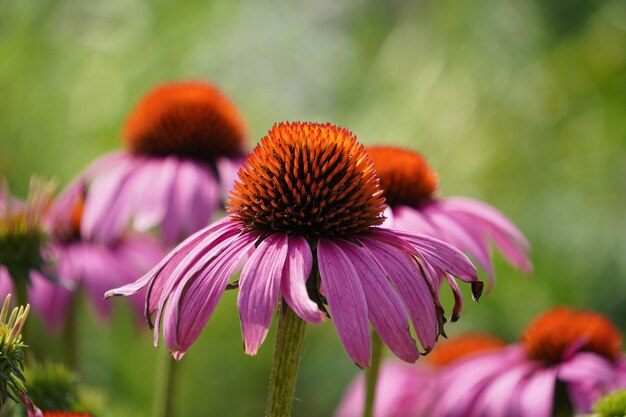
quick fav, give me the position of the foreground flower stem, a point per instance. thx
(287, 354)
(371, 375)
(165, 384)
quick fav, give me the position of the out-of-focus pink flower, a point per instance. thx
(402, 389)
(576, 350)
(185, 142)
(410, 187)
(307, 200)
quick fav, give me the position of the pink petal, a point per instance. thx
(537, 396)
(259, 287)
(410, 219)
(297, 270)
(193, 302)
(346, 300)
(411, 286)
(385, 310)
(153, 184)
(51, 301)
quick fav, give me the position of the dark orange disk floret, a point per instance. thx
(405, 176)
(449, 351)
(554, 333)
(308, 179)
(187, 119)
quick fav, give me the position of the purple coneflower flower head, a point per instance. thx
(567, 360)
(184, 144)
(410, 187)
(403, 390)
(89, 266)
(303, 222)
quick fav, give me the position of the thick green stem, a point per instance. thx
(165, 384)
(371, 375)
(287, 354)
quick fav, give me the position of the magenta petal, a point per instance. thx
(346, 300)
(194, 300)
(51, 301)
(385, 310)
(297, 270)
(153, 183)
(259, 287)
(537, 396)
(435, 252)
(108, 206)
(408, 218)
(412, 288)
(499, 399)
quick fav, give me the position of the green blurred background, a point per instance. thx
(519, 103)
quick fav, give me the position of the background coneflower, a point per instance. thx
(411, 185)
(184, 143)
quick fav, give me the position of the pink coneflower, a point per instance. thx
(567, 359)
(92, 267)
(410, 187)
(184, 144)
(403, 389)
(307, 200)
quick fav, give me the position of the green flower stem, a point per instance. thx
(70, 336)
(371, 375)
(287, 354)
(165, 384)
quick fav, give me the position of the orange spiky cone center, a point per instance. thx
(554, 333)
(308, 179)
(189, 119)
(405, 176)
(450, 351)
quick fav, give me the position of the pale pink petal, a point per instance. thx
(537, 396)
(259, 287)
(153, 184)
(410, 219)
(50, 301)
(346, 300)
(193, 302)
(433, 251)
(499, 397)
(295, 275)
(385, 310)
(227, 170)
(406, 276)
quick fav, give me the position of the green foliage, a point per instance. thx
(613, 405)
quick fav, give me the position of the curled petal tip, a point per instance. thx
(477, 289)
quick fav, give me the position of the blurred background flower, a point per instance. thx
(520, 104)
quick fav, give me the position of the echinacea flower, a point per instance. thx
(410, 187)
(184, 144)
(403, 389)
(12, 352)
(566, 360)
(307, 200)
(90, 266)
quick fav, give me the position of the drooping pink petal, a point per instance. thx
(433, 251)
(108, 208)
(410, 219)
(461, 235)
(297, 270)
(458, 298)
(537, 396)
(346, 300)
(499, 398)
(504, 234)
(50, 300)
(587, 367)
(385, 310)
(206, 198)
(259, 287)
(193, 302)
(411, 286)
(227, 171)
(153, 184)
